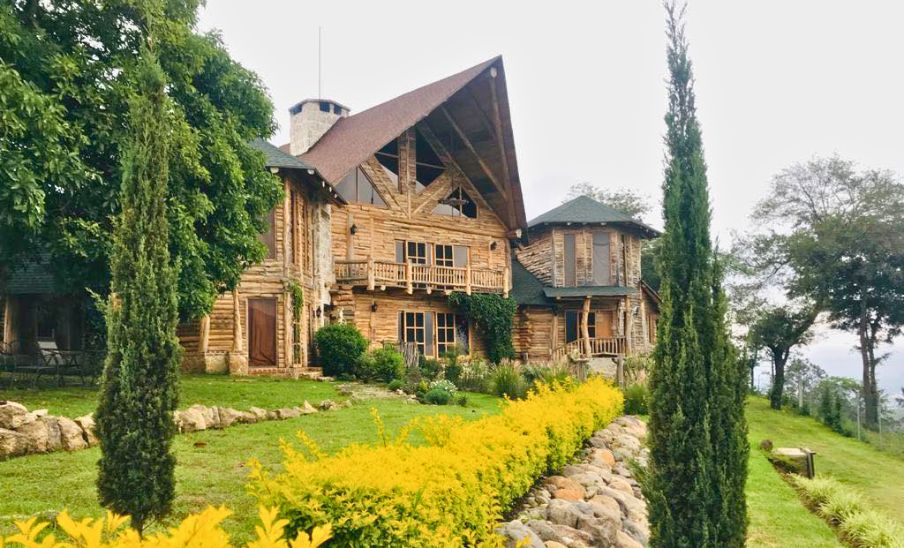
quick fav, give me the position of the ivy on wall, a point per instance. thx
(493, 315)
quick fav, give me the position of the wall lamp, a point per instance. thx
(319, 312)
(493, 246)
(353, 229)
(373, 306)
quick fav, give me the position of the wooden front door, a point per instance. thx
(262, 332)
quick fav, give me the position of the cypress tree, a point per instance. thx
(139, 386)
(698, 447)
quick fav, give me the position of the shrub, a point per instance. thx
(444, 384)
(547, 374)
(430, 368)
(844, 508)
(637, 398)
(452, 491)
(475, 377)
(462, 400)
(340, 346)
(438, 396)
(453, 369)
(395, 384)
(202, 529)
(383, 364)
(507, 380)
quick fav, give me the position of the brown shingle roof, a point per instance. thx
(353, 139)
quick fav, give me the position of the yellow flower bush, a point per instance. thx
(197, 531)
(451, 492)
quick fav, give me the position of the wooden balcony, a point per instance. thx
(410, 276)
(597, 347)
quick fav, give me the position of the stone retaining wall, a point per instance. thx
(594, 502)
(24, 432)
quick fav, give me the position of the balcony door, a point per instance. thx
(262, 332)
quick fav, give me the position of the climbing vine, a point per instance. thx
(493, 316)
(297, 293)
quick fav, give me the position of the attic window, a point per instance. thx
(388, 156)
(429, 166)
(457, 204)
(324, 106)
(337, 109)
(357, 188)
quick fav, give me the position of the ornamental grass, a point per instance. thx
(452, 491)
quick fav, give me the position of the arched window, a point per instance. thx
(457, 204)
(357, 188)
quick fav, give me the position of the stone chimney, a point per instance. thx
(309, 120)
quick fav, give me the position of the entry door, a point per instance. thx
(262, 332)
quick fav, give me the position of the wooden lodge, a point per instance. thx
(578, 285)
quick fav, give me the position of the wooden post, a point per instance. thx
(204, 335)
(8, 319)
(505, 281)
(468, 278)
(409, 286)
(371, 280)
(554, 336)
(620, 370)
(237, 342)
(585, 327)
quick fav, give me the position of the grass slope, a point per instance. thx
(878, 475)
(223, 390)
(212, 464)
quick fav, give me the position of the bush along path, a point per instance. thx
(24, 432)
(594, 502)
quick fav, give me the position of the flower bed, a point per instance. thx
(453, 491)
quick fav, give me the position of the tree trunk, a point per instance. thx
(867, 390)
(871, 401)
(778, 380)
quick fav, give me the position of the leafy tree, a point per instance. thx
(139, 387)
(778, 329)
(65, 79)
(698, 445)
(804, 376)
(626, 200)
(836, 236)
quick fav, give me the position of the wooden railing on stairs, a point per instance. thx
(599, 347)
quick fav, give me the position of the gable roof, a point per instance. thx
(586, 210)
(353, 139)
(31, 276)
(274, 157)
(527, 289)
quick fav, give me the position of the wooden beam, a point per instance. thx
(470, 147)
(204, 334)
(237, 342)
(585, 326)
(500, 142)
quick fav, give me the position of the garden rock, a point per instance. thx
(190, 420)
(86, 423)
(519, 535)
(261, 414)
(328, 405)
(12, 443)
(624, 540)
(228, 416)
(287, 413)
(12, 415)
(71, 435)
(307, 408)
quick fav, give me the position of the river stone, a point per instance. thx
(624, 540)
(12, 443)
(563, 512)
(569, 494)
(554, 532)
(287, 413)
(640, 530)
(86, 423)
(519, 535)
(261, 414)
(621, 484)
(554, 544)
(190, 420)
(12, 415)
(54, 436)
(607, 502)
(72, 438)
(228, 416)
(554, 483)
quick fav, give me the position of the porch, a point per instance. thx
(375, 274)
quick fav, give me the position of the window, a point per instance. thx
(297, 357)
(428, 165)
(570, 267)
(337, 109)
(324, 106)
(417, 328)
(445, 332)
(457, 204)
(573, 325)
(416, 252)
(357, 188)
(268, 237)
(388, 156)
(443, 256)
(601, 258)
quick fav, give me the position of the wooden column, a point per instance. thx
(237, 342)
(350, 238)
(554, 336)
(8, 319)
(371, 276)
(585, 327)
(409, 286)
(204, 335)
(468, 278)
(506, 284)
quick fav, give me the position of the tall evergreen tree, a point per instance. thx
(698, 447)
(134, 417)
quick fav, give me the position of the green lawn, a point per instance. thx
(224, 390)
(212, 464)
(878, 475)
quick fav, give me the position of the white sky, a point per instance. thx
(777, 82)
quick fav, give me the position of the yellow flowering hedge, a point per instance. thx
(197, 531)
(451, 492)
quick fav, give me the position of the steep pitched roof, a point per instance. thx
(353, 139)
(527, 289)
(31, 276)
(274, 157)
(586, 210)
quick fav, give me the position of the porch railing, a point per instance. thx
(411, 276)
(599, 347)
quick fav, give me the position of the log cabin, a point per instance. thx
(577, 281)
(266, 324)
(433, 204)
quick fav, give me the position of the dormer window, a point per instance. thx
(457, 204)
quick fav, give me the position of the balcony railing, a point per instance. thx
(598, 347)
(411, 276)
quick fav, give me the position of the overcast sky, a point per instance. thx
(777, 82)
